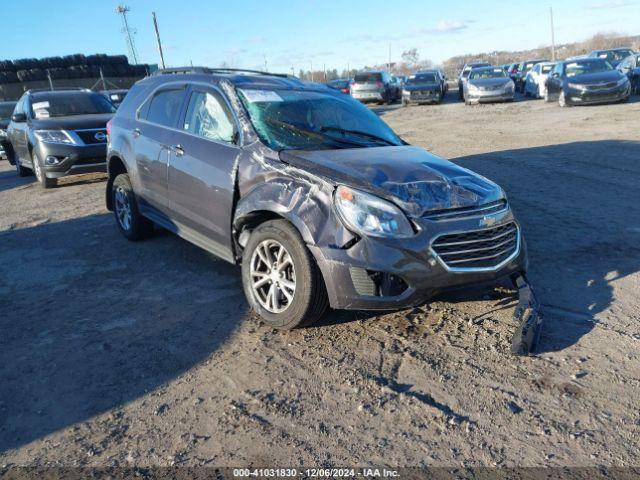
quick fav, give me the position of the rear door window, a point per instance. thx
(164, 107)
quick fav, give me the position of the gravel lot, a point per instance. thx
(115, 353)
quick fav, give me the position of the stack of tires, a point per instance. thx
(68, 67)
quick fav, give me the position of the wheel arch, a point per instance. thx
(245, 221)
(115, 166)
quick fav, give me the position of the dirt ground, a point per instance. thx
(116, 353)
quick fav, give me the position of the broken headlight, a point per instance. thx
(369, 215)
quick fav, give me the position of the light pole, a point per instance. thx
(553, 37)
(155, 26)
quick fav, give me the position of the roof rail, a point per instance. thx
(78, 89)
(222, 70)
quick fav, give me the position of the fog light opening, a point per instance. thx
(51, 160)
(388, 285)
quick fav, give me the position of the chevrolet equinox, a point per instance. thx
(316, 197)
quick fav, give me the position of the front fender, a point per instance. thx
(306, 205)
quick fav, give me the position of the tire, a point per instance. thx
(562, 100)
(460, 93)
(133, 226)
(39, 173)
(308, 301)
(22, 171)
(547, 97)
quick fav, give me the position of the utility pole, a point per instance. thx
(265, 63)
(311, 62)
(104, 83)
(553, 37)
(389, 64)
(324, 68)
(155, 26)
(128, 32)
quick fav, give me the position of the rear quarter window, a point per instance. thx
(164, 107)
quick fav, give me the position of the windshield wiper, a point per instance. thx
(312, 133)
(358, 133)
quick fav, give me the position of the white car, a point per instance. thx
(534, 85)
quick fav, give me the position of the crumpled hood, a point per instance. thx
(411, 177)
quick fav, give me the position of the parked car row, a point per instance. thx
(603, 76)
(318, 200)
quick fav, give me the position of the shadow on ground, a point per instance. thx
(579, 210)
(10, 179)
(90, 321)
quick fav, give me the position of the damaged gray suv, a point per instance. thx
(313, 194)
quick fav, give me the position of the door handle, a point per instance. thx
(136, 132)
(178, 150)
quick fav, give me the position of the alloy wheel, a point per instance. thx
(273, 276)
(123, 208)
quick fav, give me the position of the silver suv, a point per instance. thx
(311, 192)
(376, 86)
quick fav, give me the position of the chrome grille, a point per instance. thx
(465, 212)
(478, 249)
(601, 86)
(89, 136)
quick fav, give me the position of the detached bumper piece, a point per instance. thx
(528, 316)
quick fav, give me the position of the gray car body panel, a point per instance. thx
(224, 189)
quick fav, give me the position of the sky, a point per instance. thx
(298, 34)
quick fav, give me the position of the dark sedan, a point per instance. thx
(586, 81)
(613, 55)
(342, 84)
(630, 67)
(423, 87)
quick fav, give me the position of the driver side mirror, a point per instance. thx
(555, 75)
(19, 117)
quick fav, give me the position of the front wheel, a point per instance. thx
(562, 99)
(547, 96)
(131, 223)
(40, 175)
(22, 171)
(281, 280)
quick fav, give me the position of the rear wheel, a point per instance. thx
(281, 280)
(40, 175)
(131, 223)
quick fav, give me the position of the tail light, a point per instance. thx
(109, 127)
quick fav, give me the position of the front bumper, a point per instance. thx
(418, 98)
(489, 96)
(413, 261)
(594, 97)
(73, 159)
